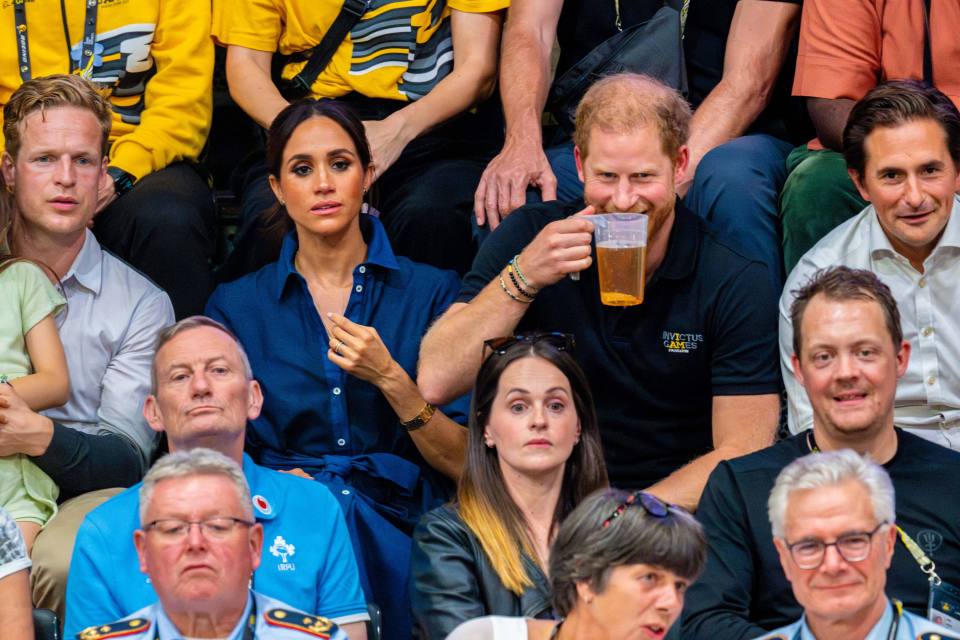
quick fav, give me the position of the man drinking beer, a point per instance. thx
(681, 381)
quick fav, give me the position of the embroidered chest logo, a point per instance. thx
(929, 541)
(283, 550)
(675, 342)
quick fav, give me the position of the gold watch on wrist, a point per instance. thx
(421, 418)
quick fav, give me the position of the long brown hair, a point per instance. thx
(483, 501)
(275, 220)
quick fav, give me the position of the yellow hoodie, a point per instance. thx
(156, 56)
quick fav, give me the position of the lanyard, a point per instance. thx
(247, 632)
(87, 46)
(926, 564)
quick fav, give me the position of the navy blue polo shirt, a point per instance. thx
(312, 407)
(707, 327)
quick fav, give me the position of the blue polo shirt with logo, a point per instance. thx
(307, 559)
(707, 327)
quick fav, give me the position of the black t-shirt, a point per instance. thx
(704, 46)
(707, 327)
(584, 24)
(743, 592)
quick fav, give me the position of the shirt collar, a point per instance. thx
(87, 267)
(167, 631)
(379, 252)
(877, 632)
(682, 247)
(880, 243)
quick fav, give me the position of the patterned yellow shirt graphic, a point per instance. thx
(399, 49)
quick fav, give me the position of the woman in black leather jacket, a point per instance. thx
(533, 453)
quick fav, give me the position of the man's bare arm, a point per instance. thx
(759, 37)
(248, 77)
(829, 116)
(741, 425)
(528, 37)
(452, 350)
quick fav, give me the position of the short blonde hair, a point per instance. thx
(624, 102)
(48, 92)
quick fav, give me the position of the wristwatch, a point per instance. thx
(122, 181)
(421, 418)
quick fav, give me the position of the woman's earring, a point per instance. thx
(365, 207)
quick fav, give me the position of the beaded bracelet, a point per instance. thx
(516, 267)
(516, 284)
(503, 285)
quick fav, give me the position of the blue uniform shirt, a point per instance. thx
(313, 408)
(273, 620)
(908, 627)
(307, 557)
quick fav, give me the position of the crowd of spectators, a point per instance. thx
(407, 412)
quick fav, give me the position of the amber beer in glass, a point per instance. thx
(621, 240)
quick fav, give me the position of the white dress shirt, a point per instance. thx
(108, 328)
(928, 395)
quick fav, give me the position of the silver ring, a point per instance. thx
(336, 349)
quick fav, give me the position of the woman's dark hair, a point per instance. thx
(587, 551)
(276, 222)
(483, 500)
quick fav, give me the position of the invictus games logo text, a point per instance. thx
(675, 342)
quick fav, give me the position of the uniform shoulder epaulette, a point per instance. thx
(115, 629)
(316, 626)
(933, 635)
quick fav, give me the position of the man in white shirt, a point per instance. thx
(902, 148)
(56, 131)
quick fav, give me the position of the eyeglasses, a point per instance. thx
(650, 503)
(852, 547)
(215, 528)
(557, 340)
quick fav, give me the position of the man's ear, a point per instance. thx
(256, 544)
(140, 542)
(797, 373)
(152, 413)
(8, 168)
(903, 358)
(784, 555)
(681, 164)
(578, 158)
(858, 183)
(254, 400)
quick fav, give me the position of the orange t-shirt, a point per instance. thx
(847, 47)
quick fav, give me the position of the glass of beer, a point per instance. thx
(621, 257)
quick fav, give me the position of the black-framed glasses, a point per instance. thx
(557, 340)
(852, 547)
(653, 505)
(215, 528)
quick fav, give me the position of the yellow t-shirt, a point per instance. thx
(399, 49)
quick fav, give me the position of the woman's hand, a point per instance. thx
(359, 351)
(388, 138)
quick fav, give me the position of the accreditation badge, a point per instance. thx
(944, 605)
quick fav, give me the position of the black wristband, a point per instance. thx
(122, 181)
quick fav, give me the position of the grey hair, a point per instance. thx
(194, 462)
(194, 322)
(586, 551)
(828, 469)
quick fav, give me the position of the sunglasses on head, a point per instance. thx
(557, 340)
(650, 503)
